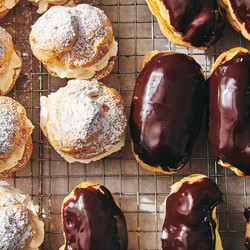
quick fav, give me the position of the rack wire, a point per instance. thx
(140, 193)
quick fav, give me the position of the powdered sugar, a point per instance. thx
(2, 51)
(16, 229)
(88, 117)
(56, 30)
(60, 25)
(9, 124)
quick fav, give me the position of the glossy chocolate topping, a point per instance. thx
(93, 221)
(197, 20)
(188, 221)
(166, 110)
(242, 11)
(229, 105)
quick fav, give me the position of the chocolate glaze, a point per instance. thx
(247, 216)
(200, 21)
(188, 221)
(229, 105)
(166, 110)
(242, 11)
(92, 220)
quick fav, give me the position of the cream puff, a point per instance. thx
(20, 227)
(92, 219)
(74, 42)
(195, 24)
(6, 6)
(229, 129)
(84, 121)
(43, 5)
(166, 111)
(15, 137)
(238, 14)
(190, 215)
(10, 62)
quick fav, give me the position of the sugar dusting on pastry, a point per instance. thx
(20, 226)
(86, 110)
(15, 137)
(70, 40)
(15, 227)
(7, 118)
(57, 29)
(85, 118)
(2, 51)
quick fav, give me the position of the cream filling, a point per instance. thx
(8, 4)
(84, 73)
(7, 78)
(45, 103)
(38, 237)
(115, 148)
(16, 156)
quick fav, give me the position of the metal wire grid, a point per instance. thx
(48, 178)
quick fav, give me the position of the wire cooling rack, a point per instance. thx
(140, 193)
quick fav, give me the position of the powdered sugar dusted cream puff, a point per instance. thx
(92, 219)
(10, 62)
(238, 14)
(84, 121)
(20, 227)
(6, 6)
(190, 216)
(43, 5)
(74, 42)
(15, 137)
(192, 23)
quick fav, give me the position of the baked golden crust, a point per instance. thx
(227, 56)
(15, 136)
(71, 41)
(7, 49)
(159, 10)
(4, 10)
(84, 120)
(155, 168)
(233, 20)
(4, 13)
